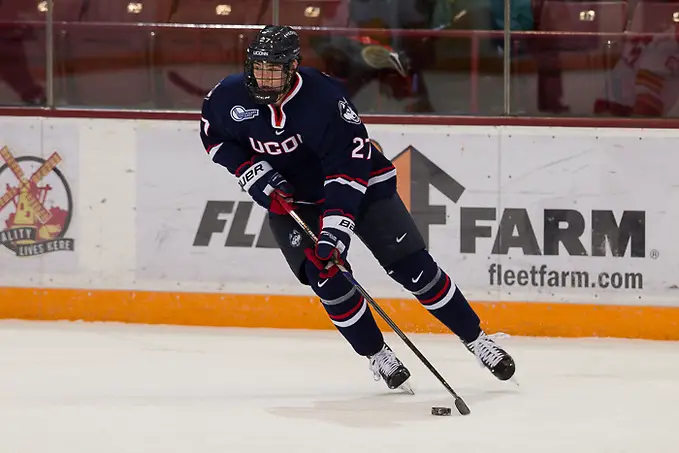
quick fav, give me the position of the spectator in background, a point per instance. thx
(395, 63)
(645, 80)
(521, 19)
(416, 52)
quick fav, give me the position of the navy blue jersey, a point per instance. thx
(315, 139)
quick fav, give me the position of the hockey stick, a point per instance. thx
(459, 402)
(379, 57)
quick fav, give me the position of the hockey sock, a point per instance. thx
(437, 292)
(348, 311)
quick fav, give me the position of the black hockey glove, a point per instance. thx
(335, 237)
(260, 180)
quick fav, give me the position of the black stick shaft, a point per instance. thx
(459, 402)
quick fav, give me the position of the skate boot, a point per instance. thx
(492, 356)
(385, 365)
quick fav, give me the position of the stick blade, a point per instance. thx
(461, 406)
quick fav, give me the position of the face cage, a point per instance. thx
(268, 95)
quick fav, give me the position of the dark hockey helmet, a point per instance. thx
(272, 54)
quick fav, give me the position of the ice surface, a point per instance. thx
(110, 388)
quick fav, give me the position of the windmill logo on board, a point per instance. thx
(36, 205)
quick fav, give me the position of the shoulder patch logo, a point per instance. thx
(240, 113)
(347, 113)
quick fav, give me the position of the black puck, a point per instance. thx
(439, 410)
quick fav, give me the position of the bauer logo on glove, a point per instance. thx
(251, 175)
(260, 180)
(335, 237)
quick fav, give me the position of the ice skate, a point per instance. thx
(491, 356)
(387, 366)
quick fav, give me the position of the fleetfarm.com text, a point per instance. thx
(540, 276)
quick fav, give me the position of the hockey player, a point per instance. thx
(645, 80)
(291, 129)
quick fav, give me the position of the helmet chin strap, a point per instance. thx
(272, 101)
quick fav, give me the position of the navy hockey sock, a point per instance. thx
(348, 311)
(437, 292)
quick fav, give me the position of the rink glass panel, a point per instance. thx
(596, 59)
(23, 57)
(551, 58)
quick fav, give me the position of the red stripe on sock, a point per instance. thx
(348, 314)
(440, 294)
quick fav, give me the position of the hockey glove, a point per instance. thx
(260, 180)
(327, 268)
(335, 237)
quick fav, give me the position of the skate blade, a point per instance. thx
(407, 388)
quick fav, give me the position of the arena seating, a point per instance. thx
(137, 54)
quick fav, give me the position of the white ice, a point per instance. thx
(111, 388)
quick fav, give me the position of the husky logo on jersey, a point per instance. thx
(239, 113)
(348, 113)
(295, 238)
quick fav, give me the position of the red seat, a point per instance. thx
(126, 11)
(111, 65)
(572, 69)
(36, 10)
(582, 17)
(312, 13)
(18, 10)
(655, 16)
(228, 12)
(192, 60)
(23, 52)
